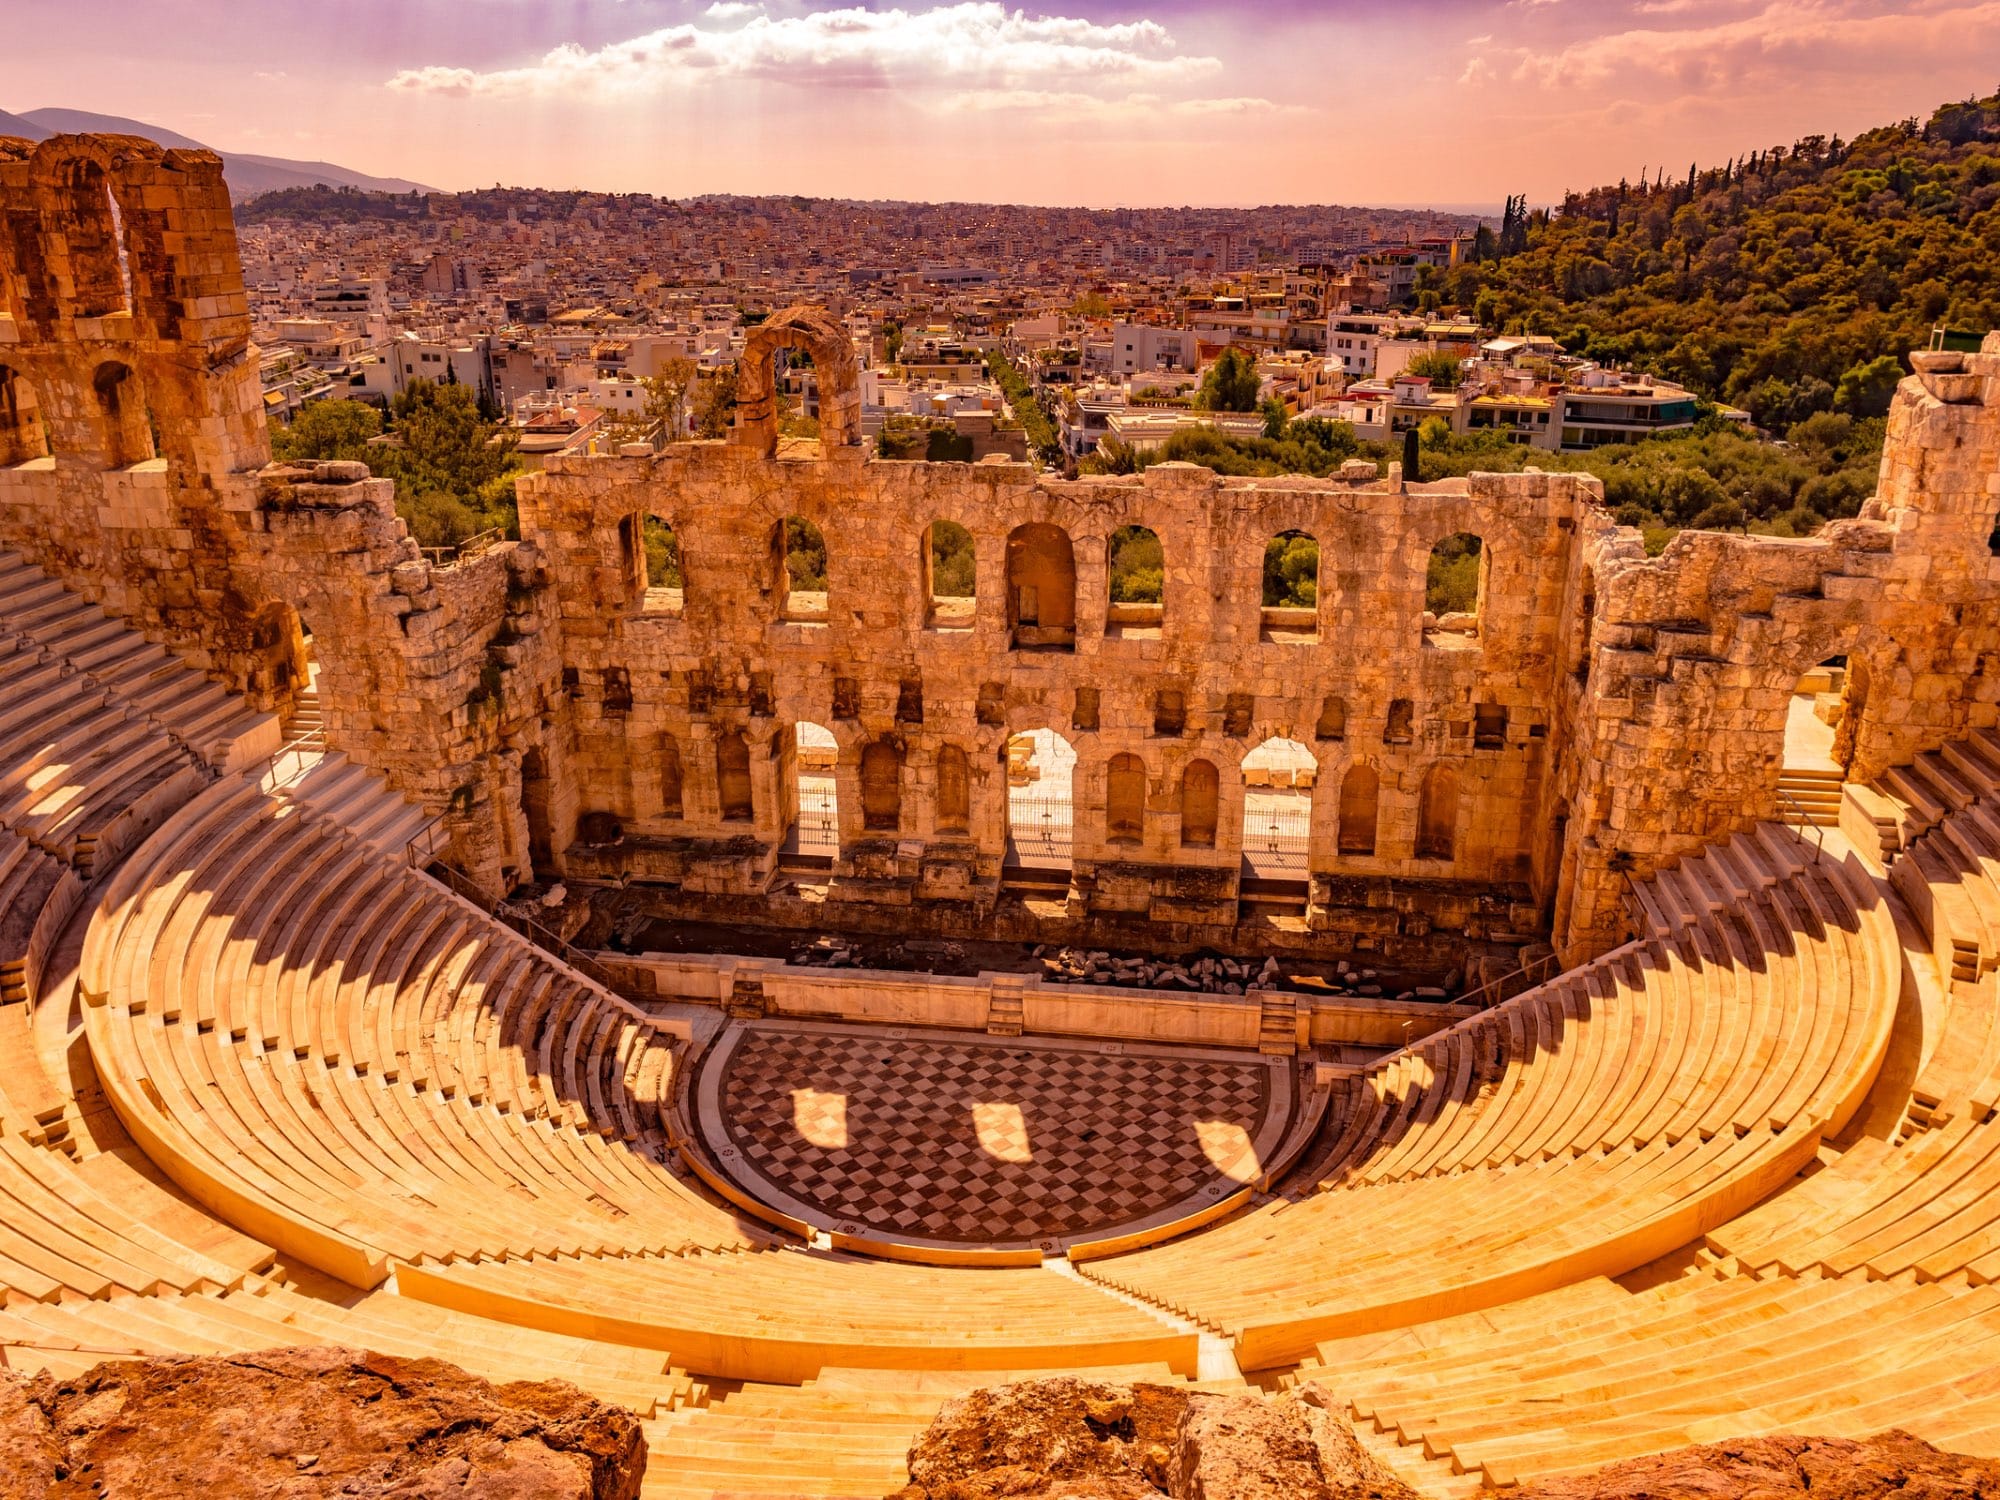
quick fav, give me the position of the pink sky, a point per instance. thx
(1443, 102)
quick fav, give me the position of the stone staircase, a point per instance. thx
(1809, 798)
(1278, 1025)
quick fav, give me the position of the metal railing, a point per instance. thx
(1800, 819)
(548, 940)
(1040, 830)
(465, 551)
(293, 759)
(1277, 838)
(1528, 974)
(817, 830)
(427, 845)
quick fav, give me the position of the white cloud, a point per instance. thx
(1786, 42)
(969, 44)
(729, 10)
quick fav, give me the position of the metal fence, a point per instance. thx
(1040, 830)
(817, 831)
(1275, 839)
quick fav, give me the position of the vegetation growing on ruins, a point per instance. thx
(1451, 576)
(454, 469)
(1789, 281)
(805, 555)
(663, 554)
(953, 562)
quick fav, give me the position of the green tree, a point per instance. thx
(1291, 571)
(1138, 567)
(715, 403)
(1230, 383)
(1442, 370)
(1865, 390)
(1451, 578)
(663, 554)
(327, 430)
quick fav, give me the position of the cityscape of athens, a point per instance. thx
(934, 750)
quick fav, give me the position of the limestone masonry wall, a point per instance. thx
(1497, 776)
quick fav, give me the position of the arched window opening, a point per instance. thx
(1360, 794)
(951, 593)
(799, 570)
(1290, 610)
(1817, 730)
(21, 435)
(882, 786)
(1041, 773)
(1437, 814)
(660, 556)
(1136, 573)
(126, 427)
(1278, 779)
(535, 809)
(94, 235)
(814, 797)
(1201, 791)
(1041, 588)
(732, 778)
(670, 777)
(1332, 724)
(1455, 590)
(1401, 722)
(1125, 799)
(281, 666)
(954, 790)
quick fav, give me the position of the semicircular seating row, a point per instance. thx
(1579, 1129)
(1860, 1297)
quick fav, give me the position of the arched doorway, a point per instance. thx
(1278, 780)
(1041, 773)
(815, 833)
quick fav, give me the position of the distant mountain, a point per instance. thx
(246, 175)
(23, 127)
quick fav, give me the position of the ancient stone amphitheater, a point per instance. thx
(275, 1068)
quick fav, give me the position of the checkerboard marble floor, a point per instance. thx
(978, 1141)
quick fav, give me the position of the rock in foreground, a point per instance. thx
(303, 1423)
(1771, 1468)
(1070, 1439)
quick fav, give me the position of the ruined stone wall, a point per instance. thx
(1608, 713)
(653, 681)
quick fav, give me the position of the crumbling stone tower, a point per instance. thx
(129, 397)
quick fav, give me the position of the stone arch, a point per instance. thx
(954, 790)
(1280, 777)
(75, 175)
(279, 665)
(1360, 807)
(21, 435)
(799, 569)
(732, 778)
(1135, 571)
(1455, 578)
(124, 426)
(1437, 814)
(1041, 587)
(1201, 794)
(1401, 723)
(882, 785)
(1125, 799)
(950, 558)
(1289, 598)
(654, 551)
(816, 331)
